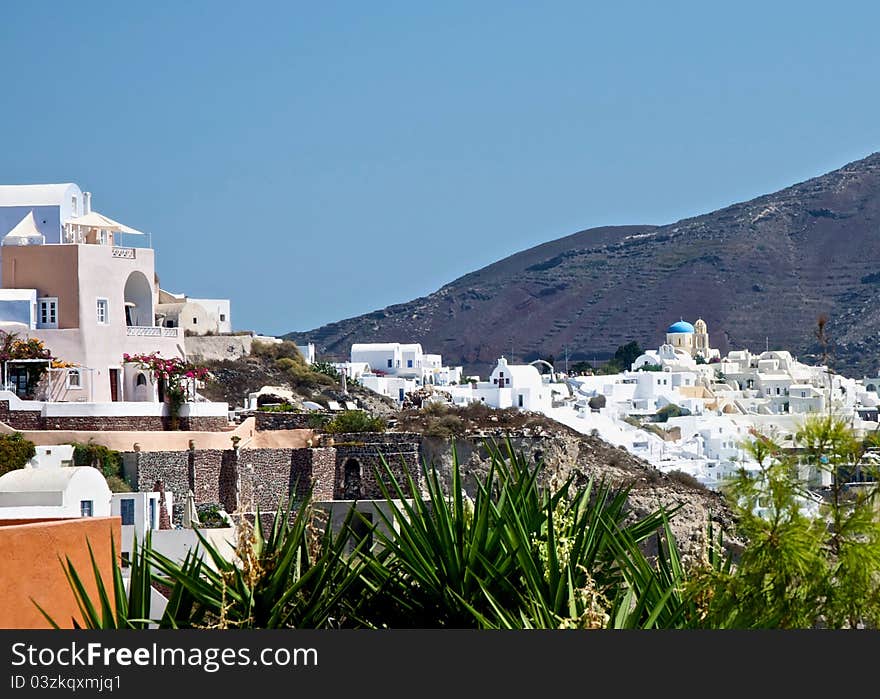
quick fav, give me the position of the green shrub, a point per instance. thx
(15, 452)
(281, 408)
(327, 369)
(355, 421)
(798, 570)
(317, 422)
(445, 426)
(280, 350)
(106, 460)
(117, 484)
(686, 479)
(435, 409)
(671, 410)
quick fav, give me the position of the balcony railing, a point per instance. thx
(124, 253)
(151, 331)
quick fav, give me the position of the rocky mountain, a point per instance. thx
(758, 272)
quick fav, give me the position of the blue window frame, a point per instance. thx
(126, 510)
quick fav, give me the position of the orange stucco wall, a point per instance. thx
(30, 568)
(50, 269)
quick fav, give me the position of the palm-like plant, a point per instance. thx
(117, 608)
(288, 576)
(517, 556)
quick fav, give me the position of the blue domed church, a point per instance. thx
(693, 339)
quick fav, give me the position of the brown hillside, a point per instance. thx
(758, 271)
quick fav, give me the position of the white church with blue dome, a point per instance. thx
(686, 345)
(693, 339)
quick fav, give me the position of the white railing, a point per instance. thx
(124, 253)
(151, 331)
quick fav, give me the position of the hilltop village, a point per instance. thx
(682, 407)
(109, 427)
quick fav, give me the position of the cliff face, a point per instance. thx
(566, 454)
(759, 271)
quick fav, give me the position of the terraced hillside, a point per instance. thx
(759, 271)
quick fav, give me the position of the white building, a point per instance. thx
(194, 316)
(54, 493)
(509, 385)
(139, 512)
(48, 206)
(395, 387)
(393, 369)
(52, 456)
(308, 352)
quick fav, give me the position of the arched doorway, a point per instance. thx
(352, 480)
(138, 300)
(141, 387)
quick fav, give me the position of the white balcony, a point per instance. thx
(151, 331)
(124, 253)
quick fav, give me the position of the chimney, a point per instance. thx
(164, 517)
(87, 203)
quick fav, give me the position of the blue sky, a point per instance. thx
(314, 161)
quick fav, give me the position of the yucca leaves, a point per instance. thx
(282, 578)
(116, 608)
(517, 555)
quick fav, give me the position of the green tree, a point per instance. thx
(355, 421)
(799, 569)
(625, 355)
(15, 452)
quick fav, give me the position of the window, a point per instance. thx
(126, 510)
(195, 321)
(47, 312)
(389, 364)
(73, 206)
(520, 400)
(126, 559)
(85, 508)
(141, 380)
(74, 378)
(103, 312)
(169, 323)
(222, 317)
(409, 363)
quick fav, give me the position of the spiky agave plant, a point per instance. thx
(517, 556)
(286, 577)
(120, 607)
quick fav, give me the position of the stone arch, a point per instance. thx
(138, 300)
(352, 479)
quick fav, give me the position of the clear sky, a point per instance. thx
(314, 161)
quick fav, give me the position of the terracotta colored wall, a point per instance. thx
(50, 269)
(30, 567)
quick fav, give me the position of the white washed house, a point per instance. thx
(55, 493)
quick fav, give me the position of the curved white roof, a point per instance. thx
(33, 480)
(374, 346)
(521, 374)
(34, 194)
